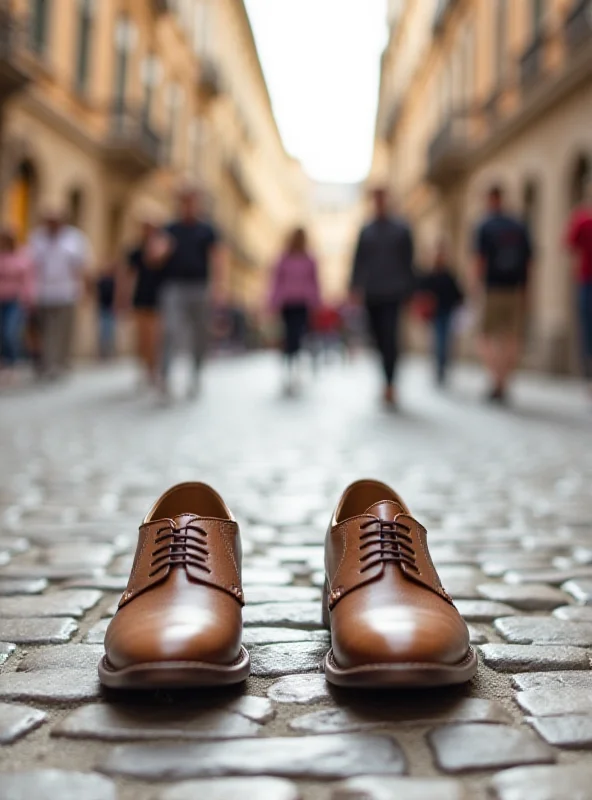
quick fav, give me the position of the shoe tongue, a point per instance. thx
(181, 520)
(387, 510)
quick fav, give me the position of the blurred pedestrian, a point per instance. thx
(294, 294)
(16, 298)
(105, 298)
(579, 240)
(383, 277)
(60, 254)
(192, 281)
(443, 295)
(146, 268)
(503, 253)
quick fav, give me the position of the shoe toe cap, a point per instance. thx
(183, 633)
(401, 635)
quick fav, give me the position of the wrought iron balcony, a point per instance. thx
(209, 79)
(13, 75)
(448, 153)
(131, 146)
(578, 25)
(531, 63)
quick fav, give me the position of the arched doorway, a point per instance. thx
(22, 199)
(75, 207)
(582, 175)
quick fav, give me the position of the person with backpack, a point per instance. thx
(503, 258)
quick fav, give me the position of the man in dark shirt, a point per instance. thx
(191, 276)
(503, 253)
(383, 278)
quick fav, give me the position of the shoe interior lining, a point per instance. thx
(191, 499)
(363, 495)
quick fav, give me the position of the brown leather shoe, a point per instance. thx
(179, 622)
(392, 623)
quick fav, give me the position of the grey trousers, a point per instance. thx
(185, 311)
(57, 334)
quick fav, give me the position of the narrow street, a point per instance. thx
(505, 496)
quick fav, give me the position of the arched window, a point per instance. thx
(75, 207)
(125, 41)
(151, 75)
(86, 9)
(530, 205)
(40, 13)
(581, 177)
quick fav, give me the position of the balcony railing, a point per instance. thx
(531, 64)
(578, 25)
(209, 79)
(448, 152)
(132, 146)
(13, 76)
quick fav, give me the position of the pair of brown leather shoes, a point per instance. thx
(179, 621)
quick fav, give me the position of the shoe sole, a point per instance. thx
(407, 675)
(175, 674)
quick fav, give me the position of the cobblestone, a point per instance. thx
(399, 789)
(543, 783)
(461, 748)
(37, 630)
(231, 788)
(322, 757)
(504, 495)
(50, 784)
(16, 721)
(52, 686)
(526, 658)
(565, 700)
(5, 650)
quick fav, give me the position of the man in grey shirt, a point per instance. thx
(383, 278)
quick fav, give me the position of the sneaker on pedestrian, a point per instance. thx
(391, 621)
(179, 622)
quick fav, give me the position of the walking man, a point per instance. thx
(192, 273)
(579, 241)
(383, 278)
(60, 256)
(503, 256)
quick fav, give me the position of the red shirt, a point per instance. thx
(579, 239)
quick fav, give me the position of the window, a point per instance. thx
(151, 73)
(40, 14)
(174, 102)
(86, 10)
(125, 40)
(538, 17)
(501, 25)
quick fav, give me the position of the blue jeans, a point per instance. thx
(585, 311)
(442, 327)
(11, 331)
(106, 333)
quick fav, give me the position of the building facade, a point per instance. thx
(476, 92)
(108, 104)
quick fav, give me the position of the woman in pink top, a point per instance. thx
(294, 293)
(16, 295)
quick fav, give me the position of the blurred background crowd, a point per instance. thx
(149, 205)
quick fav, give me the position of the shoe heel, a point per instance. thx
(326, 612)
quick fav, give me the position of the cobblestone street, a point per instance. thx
(505, 496)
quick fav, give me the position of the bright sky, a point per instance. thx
(321, 59)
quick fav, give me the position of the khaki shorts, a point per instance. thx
(503, 313)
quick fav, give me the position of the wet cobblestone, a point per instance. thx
(504, 495)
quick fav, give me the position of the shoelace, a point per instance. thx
(388, 542)
(181, 548)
